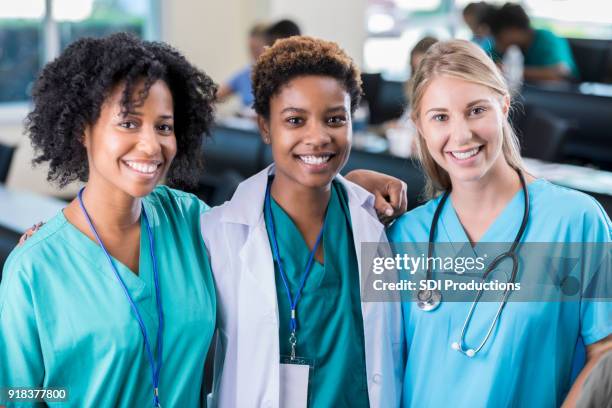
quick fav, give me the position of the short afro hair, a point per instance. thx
(299, 56)
(70, 91)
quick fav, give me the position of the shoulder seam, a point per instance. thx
(23, 251)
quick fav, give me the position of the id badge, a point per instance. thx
(294, 376)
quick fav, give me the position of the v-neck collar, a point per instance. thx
(138, 285)
(503, 229)
(334, 205)
(295, 233)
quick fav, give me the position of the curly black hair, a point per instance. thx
(297, 56)
(70, 91)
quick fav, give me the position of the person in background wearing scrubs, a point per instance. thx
(260, 37)
(477, 17)
(240, 83)
(460, 106)
(547, 57)
(285, 251)
(76, 298)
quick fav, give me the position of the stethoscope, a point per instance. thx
(429, 300)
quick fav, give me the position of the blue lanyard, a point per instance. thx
(155, 367)
(292, 302)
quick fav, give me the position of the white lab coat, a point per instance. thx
(247, 350)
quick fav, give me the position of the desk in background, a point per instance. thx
(19, 210)
(596, 183)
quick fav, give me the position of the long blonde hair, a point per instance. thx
(463, 60)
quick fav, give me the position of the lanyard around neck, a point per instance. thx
(293, 301)
(155, 366)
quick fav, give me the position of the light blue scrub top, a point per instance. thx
(240, 83)
(527, 361)
(66, 322)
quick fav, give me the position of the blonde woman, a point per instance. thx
(480, 193)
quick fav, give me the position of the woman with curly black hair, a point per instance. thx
(113, 298)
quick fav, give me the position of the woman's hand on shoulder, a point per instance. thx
(31, 231)
(390, 193)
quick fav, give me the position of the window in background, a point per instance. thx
(395, 26)
(35, 31)
(572, 18)
(20, 47)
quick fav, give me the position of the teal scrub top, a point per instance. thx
(487, 43)
(547, 49)
(329, 320)
(66, 322)
(528, 359)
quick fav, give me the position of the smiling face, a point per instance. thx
(309, 129)
(132, 153)
(461, 123)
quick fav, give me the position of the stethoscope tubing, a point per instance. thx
(429, 305)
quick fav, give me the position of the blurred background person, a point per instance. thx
(240, 83)
(281, 29)
(547, 57)
(401, 132)
(260, 37)
(418, 52)
(477, 16)
(597, 388)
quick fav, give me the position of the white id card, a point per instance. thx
(294, 385)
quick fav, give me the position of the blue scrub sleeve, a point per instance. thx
(234, 82)
(596, 305)
(21, 359)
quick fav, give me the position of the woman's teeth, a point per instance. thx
(465, 155)
(147, 168)
(315, 159)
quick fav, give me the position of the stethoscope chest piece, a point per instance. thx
(469, 352)
(428, 300)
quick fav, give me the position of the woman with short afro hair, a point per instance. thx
(296, 330)
(113, 298)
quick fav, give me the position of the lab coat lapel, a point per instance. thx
(246, 207)
(367, 228)
(256, 256)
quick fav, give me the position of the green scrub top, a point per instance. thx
(66, 322)
(547, 49)
(329, 320)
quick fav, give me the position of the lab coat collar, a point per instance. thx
(247, 203)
